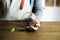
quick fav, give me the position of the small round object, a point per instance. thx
(21, 29)
(12, 29)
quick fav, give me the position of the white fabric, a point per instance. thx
(14, 13)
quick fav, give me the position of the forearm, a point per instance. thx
(37, 9)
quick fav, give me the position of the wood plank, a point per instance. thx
(47, 31)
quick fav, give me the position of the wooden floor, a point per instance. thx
(47, 31)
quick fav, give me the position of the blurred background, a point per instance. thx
(47, 31)
(51, 11)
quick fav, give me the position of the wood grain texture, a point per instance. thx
(47, 31)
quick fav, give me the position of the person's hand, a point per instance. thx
(34, 24)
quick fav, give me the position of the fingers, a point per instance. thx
(34, 28)
(38, 24)
(33, 25)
